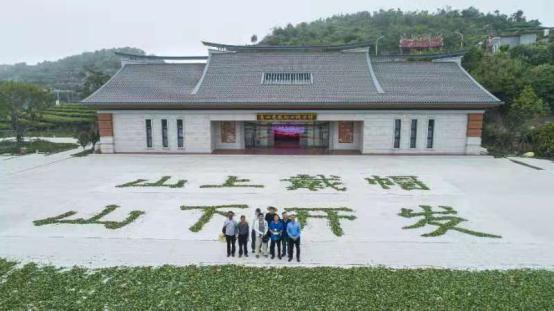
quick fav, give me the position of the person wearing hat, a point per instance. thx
(261, 227)
(231, 230)
(293, 232)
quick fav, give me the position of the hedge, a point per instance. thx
(544, 141)
(229, 287)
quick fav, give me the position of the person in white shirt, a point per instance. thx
(253, 235)
(231, 231)
(261, 228)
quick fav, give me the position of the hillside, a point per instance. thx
(395, 24)
(67, 73)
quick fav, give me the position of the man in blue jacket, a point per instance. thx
(293, 232)
(276, 229)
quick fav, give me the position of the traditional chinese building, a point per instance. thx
(320, 99)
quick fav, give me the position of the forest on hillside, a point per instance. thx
(69, 73)
(472, 24)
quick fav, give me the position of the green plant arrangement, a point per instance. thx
(96, 219)
(206, 287)
(233, 181)
(315, 182)
(331, 213)
(160, 183)
(209, 212)
(405, 182)
(443, 219)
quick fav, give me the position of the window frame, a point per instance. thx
(180, 135)
(397, 133)
(431, 125)
(287, 78)
(148, 128)
(165, 139)
(413, 134)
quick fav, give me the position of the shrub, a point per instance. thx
(543, 139)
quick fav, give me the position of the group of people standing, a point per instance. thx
(282, 233)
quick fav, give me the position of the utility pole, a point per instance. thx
(377, 45)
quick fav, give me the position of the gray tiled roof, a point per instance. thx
(428, 82)
(338, 77)
(155, 82)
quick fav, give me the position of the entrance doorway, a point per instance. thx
(287, 135)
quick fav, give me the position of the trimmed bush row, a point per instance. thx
(41, 146)
(245, 288)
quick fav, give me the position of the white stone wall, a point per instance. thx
(374, 131)
(130, 132)
(449, 135)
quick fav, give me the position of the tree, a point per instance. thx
(501, 75)
(542, 80)
(83, 138)
(88, 135)
(544, 141)
(526, 107)
(254, 39)
(94, 80)
(94, 135)
(21, 103)
(472, 58)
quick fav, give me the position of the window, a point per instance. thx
(430, 133)
(287, 78)
(180, 133)
(397, 124)
(149, 133)
(413, 134)
(165, 143)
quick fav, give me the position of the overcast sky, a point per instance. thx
(36, 30)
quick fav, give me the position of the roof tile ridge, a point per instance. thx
(197, 86)
(373, 76)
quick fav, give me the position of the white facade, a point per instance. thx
(373, 131)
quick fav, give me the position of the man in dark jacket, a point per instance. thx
(243, 236)
(284, 238)
(271, 210)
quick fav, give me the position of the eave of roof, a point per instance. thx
(298, 106)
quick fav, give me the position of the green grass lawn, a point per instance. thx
(41, 146)
(234, 287)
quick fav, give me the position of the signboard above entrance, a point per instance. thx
(287, 116)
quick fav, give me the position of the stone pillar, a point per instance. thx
(474, 131)
(105, 129)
